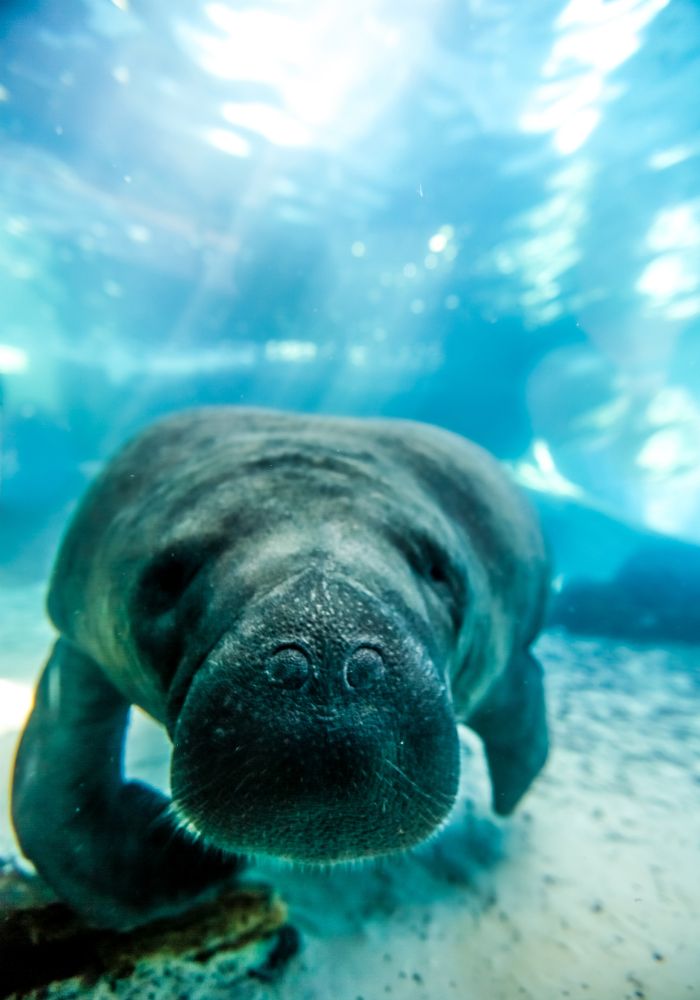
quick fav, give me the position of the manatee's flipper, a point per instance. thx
(513, 726)
(108, 847)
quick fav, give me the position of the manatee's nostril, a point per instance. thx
(363, 667)
(288, 667)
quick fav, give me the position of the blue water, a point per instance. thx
(483, 214)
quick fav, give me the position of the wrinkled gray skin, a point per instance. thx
(309, 605)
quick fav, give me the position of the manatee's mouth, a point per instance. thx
(317, 791)
(377, 815)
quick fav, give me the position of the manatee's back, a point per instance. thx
(231, 472)
(501, 544)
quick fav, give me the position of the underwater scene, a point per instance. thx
(350, 499)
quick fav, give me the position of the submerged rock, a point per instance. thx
(46, 951)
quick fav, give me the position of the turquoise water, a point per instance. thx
(483, 216)
(480, 215)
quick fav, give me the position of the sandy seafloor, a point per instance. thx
(591, 890)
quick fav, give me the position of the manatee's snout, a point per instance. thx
(318, 730)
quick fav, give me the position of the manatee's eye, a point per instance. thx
(437, 573)
(429, 560)
(446, 582)
(363, 667)
(168, 575)
(288, 667)
(163, 600)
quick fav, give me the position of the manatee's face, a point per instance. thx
(319, 730)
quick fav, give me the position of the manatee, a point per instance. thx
(309, 605)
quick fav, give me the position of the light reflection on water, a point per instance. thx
(378, 197)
